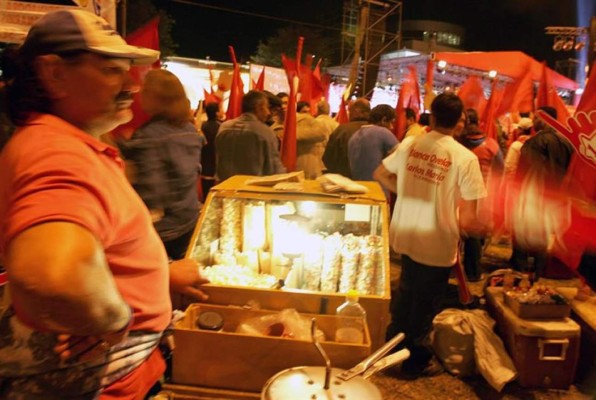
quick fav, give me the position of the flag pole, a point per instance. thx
(122, 6)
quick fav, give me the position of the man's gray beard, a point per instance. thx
(103, 126)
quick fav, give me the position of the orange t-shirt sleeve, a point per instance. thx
(56, 186)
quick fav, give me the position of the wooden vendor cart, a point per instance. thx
(302, 249)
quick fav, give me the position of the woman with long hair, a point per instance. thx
(165, 156)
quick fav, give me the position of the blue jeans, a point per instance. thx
(414, 305)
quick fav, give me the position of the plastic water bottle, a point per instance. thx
(352, 318)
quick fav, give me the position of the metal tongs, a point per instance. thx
(375, 362)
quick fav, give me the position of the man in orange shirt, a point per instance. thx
(88, 275)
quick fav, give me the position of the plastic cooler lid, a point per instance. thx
(555, 328)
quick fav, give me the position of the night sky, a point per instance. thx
(490, 24)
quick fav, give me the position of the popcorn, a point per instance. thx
(236, 275)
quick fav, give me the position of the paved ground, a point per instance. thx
(446, 386)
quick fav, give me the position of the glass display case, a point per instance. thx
(303, 248)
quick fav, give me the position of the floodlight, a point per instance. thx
(579, 45)
(568, 45)
(558, 43)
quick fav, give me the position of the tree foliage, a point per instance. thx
(285, 41)
(139, 12)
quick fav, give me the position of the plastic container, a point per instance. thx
(545, 352)
(352, 319)
(210, 321)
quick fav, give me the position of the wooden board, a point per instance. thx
(377, 308)
(230, 360)
(185, 392)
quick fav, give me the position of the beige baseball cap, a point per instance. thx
(73, 30)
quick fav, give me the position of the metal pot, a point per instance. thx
(322, 383)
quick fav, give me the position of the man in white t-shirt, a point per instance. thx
(437, 182)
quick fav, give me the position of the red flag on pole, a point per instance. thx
(580, 183)
(463, 290)
(146, 36)
(210, 97)
(236, 90)
(579, 189)
(414, 90)
(471, 94)
(288, 144)
(587, 102)
(518, 96)
(305, 75)
(547, 95)
(260, 83)
(488, 121)
(429, 95)
(399, 128)
(317, 87)
(342, 115)
(409, 94)
(430, 73)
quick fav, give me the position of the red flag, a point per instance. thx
(430, 73)
(399, 128)
(471, 94)
(414, 88)
(305, 87)
(518, 96)
(210, 97)
(409, 94)
(463, 290)
(146, 36)
(588, 99)
(317, 87)
(580, 130)
(580, 181)
(428, 84)
(572, 200)
(260, 84)
(342, 115)
(236, 90)
(488, 120)
(547, 95)
(288, 144)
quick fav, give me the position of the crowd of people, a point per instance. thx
(93, 253)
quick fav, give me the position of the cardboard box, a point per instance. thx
(537, 311)
(234, 361)
(545, 352)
